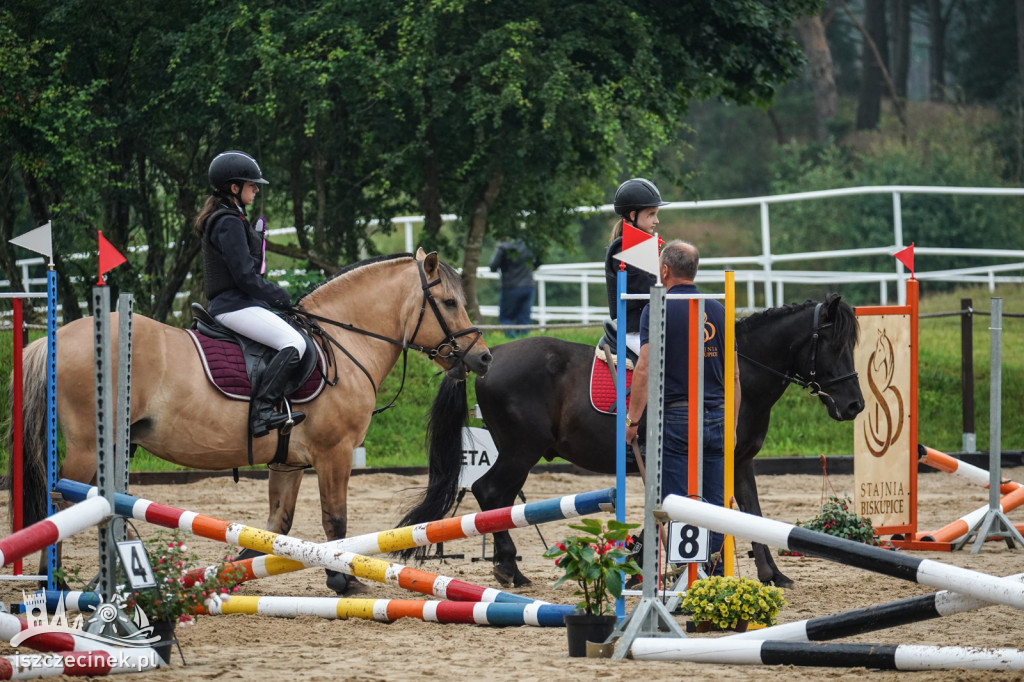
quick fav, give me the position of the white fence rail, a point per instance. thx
(756, 273)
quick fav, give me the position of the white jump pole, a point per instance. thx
(778, 534)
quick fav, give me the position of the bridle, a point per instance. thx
(448, 348)
(814, 387)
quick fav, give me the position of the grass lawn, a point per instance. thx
(800, 425)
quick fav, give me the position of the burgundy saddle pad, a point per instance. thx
(225, 368)
(602, 389)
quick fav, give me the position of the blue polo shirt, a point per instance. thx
(677, 363)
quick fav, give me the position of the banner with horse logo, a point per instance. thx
(885, 432)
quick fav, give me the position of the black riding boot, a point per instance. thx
(271, 392)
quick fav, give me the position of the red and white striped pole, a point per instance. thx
(61, 525)
(17, 414)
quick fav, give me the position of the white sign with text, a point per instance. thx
(478, 455)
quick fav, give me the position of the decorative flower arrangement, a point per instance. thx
(725, 601)
(181, 591)
(835, 518)
(595, 562)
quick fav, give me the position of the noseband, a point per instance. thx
(448, 348)
(814, 387)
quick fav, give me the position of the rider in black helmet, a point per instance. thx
(240, 298)
(636, 202)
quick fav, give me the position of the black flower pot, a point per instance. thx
(582, 628)
(164, 629)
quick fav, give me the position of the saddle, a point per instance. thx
(610, 339)
(602, 374)
(233, 363)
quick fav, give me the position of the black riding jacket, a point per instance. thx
(232, 255)
(637, 282)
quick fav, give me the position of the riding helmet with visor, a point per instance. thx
(635, 195)
(234, 167)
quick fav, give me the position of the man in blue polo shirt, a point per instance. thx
(679, 261)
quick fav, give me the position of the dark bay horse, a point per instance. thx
(535, 402)
(373, 310)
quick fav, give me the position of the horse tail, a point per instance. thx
(444, 447)
(35, 496)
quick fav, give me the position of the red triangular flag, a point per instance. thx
(906, 256)
(110, 257)
(631, 236)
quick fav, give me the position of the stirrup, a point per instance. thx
(286, 428)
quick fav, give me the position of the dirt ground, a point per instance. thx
(240, 647)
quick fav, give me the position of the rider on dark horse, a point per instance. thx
(240, 298)
(637, 202)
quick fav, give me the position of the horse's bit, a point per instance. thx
(814, 387)
(448, 348)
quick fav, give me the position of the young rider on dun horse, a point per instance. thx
(240, 297)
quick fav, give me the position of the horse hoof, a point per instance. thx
(355, 587)
(339, 582)
(521, 581)
(782, 581)
(345, 585)
(503, 577)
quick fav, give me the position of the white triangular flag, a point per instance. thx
(644, 256)
(38, 240)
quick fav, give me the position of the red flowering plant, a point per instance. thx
(596, 562)
(181, 591)
(836, 518)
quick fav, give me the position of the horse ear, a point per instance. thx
(832, 302)
(429, 261)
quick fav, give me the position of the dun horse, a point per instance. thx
(373, 310)
(536, 404)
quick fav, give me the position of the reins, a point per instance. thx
(814, 387)
(447, 348)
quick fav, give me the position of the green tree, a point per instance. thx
(359, 112)
(47, 134)
(954, 154)
(537, 108)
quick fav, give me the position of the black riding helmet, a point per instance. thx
(234, 167)
(636, 194)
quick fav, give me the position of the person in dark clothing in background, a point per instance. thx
(516, 263)
(240, 298)
(637, 202)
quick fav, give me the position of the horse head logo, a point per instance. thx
(885, 423)
(710, 331)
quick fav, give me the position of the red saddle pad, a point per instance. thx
(602, 388)
(224, 366)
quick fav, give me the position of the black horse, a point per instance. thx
(536, 403)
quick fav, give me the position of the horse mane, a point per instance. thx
(845, 322)
(449, 275)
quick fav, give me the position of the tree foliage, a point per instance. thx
(503, 115)
(955, 155)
